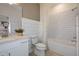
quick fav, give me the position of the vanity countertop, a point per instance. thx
(12, 38)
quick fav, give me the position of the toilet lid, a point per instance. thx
(40, 45)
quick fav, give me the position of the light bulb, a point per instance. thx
(11, 3)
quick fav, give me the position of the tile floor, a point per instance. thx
(48, 53)
(52, 53)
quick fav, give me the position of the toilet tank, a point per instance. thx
(34, 39)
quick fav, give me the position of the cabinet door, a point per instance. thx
(4, 49)
(20, 50)
(4, 53)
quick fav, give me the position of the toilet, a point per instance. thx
(39, 48)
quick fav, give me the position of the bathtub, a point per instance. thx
(63, 47)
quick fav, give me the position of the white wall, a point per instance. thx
(54, 19)
(61, 48)
(31, 27)
(58, 22)
(14, 14)
(63, 21)
(63, 25)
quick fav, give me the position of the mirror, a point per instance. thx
(4, 26)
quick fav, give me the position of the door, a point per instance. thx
(19, 51)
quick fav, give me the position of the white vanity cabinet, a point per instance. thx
(21, 49)
(3, 50)
(4, 53)
(14, 48)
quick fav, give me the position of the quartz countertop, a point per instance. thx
(12, 38)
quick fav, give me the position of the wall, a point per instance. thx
(31, 10)
(51, 16)
(63, 25)
(44, 17)
(14, 14)
(63, 21)
(30, 27)
(58, 22)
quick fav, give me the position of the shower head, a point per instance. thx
(74, 8)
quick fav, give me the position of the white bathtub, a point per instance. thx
(62, 47)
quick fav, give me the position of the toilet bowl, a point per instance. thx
(40, 48)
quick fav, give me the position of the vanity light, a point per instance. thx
(11, 3)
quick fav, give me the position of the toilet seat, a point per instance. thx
(40, 46)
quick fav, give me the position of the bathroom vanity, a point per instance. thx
(14, 46)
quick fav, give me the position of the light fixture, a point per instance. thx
(11, 3)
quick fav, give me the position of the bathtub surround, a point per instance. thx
(58, 22)
(48, 11)
(62, 47)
